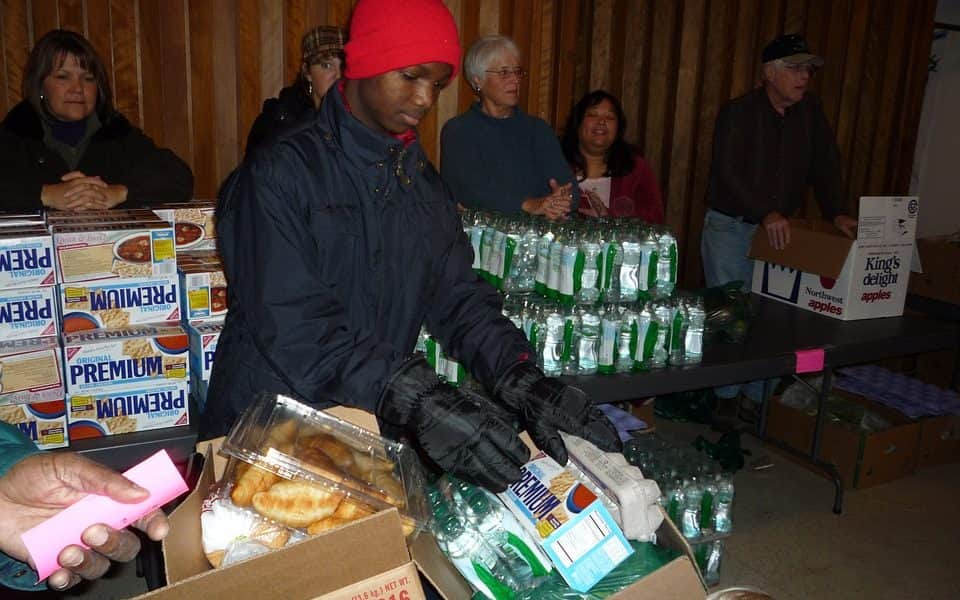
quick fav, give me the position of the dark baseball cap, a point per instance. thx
(791, 48)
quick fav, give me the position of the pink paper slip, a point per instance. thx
(809, 361)
(44, 542)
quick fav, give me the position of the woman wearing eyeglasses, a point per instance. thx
(497, 157)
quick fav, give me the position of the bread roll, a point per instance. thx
(251, 481)
(296, 503)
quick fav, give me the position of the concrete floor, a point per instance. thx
(896, 541)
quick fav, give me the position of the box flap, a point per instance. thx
(815, 247)
(316, 566)
(438, 570)
(674, 581)
(183, 555)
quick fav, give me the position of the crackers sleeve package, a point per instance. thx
(30, 371)
(568, 520)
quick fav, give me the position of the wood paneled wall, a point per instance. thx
(193, 73)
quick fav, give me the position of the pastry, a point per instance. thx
(253, 480)
(296, 503)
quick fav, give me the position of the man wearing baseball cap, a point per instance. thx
(340, 240)
(769, 146)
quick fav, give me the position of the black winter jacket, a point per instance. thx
(118, 152)
(279, 114)
(338, 243)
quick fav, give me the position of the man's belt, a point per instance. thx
(747, 220)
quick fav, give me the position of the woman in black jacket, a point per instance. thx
(322, 52)
(65, 147)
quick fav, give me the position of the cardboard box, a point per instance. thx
(28, 313)
(112, 215)
(375, 549)
(203, 347)
(45, 423)
(194, 223)
(940, 261)
(92, 251)
(103, 359)
(862, 459)
(939, 440)
(26, 257)
(119, 302)
(24, 219)
(823, 271)
(203, 292)
(30, 371)
(155, 405)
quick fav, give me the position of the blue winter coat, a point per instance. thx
(338, 243)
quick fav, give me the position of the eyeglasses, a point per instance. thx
(505, 73)
(810, 70)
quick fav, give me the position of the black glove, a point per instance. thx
(547, 406)
(458, 432)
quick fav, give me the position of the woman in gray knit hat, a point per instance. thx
(322, 64)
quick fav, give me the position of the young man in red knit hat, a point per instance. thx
(340, 240)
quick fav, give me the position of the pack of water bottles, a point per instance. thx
(696, 495)
(576, 262)
(607, 338)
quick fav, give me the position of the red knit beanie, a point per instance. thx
(386, 35)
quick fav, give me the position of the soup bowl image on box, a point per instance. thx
(104, 359)
(30, 371)
(93, 251)
(120, 302)
(45, 423)
(154, 405)
(204, 293)
(193, 223)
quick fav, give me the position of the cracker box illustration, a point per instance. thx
(570, 523)
(104, 359)
(120, 302)
(93, 251)
(154, 405)
(45, 423)
(30, 371)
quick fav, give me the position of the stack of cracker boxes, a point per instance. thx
(31, 378)
(203, 288)
(105, 282)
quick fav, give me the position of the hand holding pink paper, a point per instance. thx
(35, 491)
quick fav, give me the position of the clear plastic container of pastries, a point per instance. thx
(308, 470)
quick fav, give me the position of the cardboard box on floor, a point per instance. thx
(368, 558)
(939, 440)
(940, 261)
(823, 271)
(862, 459)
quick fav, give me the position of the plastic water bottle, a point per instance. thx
(543, 261)
(663, 315)
(648, 264)
(627, 341)
(553, 344)
(570, 360)
(678, 334)
(422, 337)
(589, 340)
(525, 259)
(646, 335)
(590, 278)
(723, 506)
(630, 268)
(609, 338)
(475, 230)
(570, 256)
(555, 262)
(475, 559)
(666, 263)
(692, 499)
(497, 260)
(693, 345)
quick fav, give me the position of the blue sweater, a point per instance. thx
(14, 447)
(495, 164)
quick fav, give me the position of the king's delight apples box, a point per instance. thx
(824, 271)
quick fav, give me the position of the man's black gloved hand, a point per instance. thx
(465, 438)
(547, 406)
